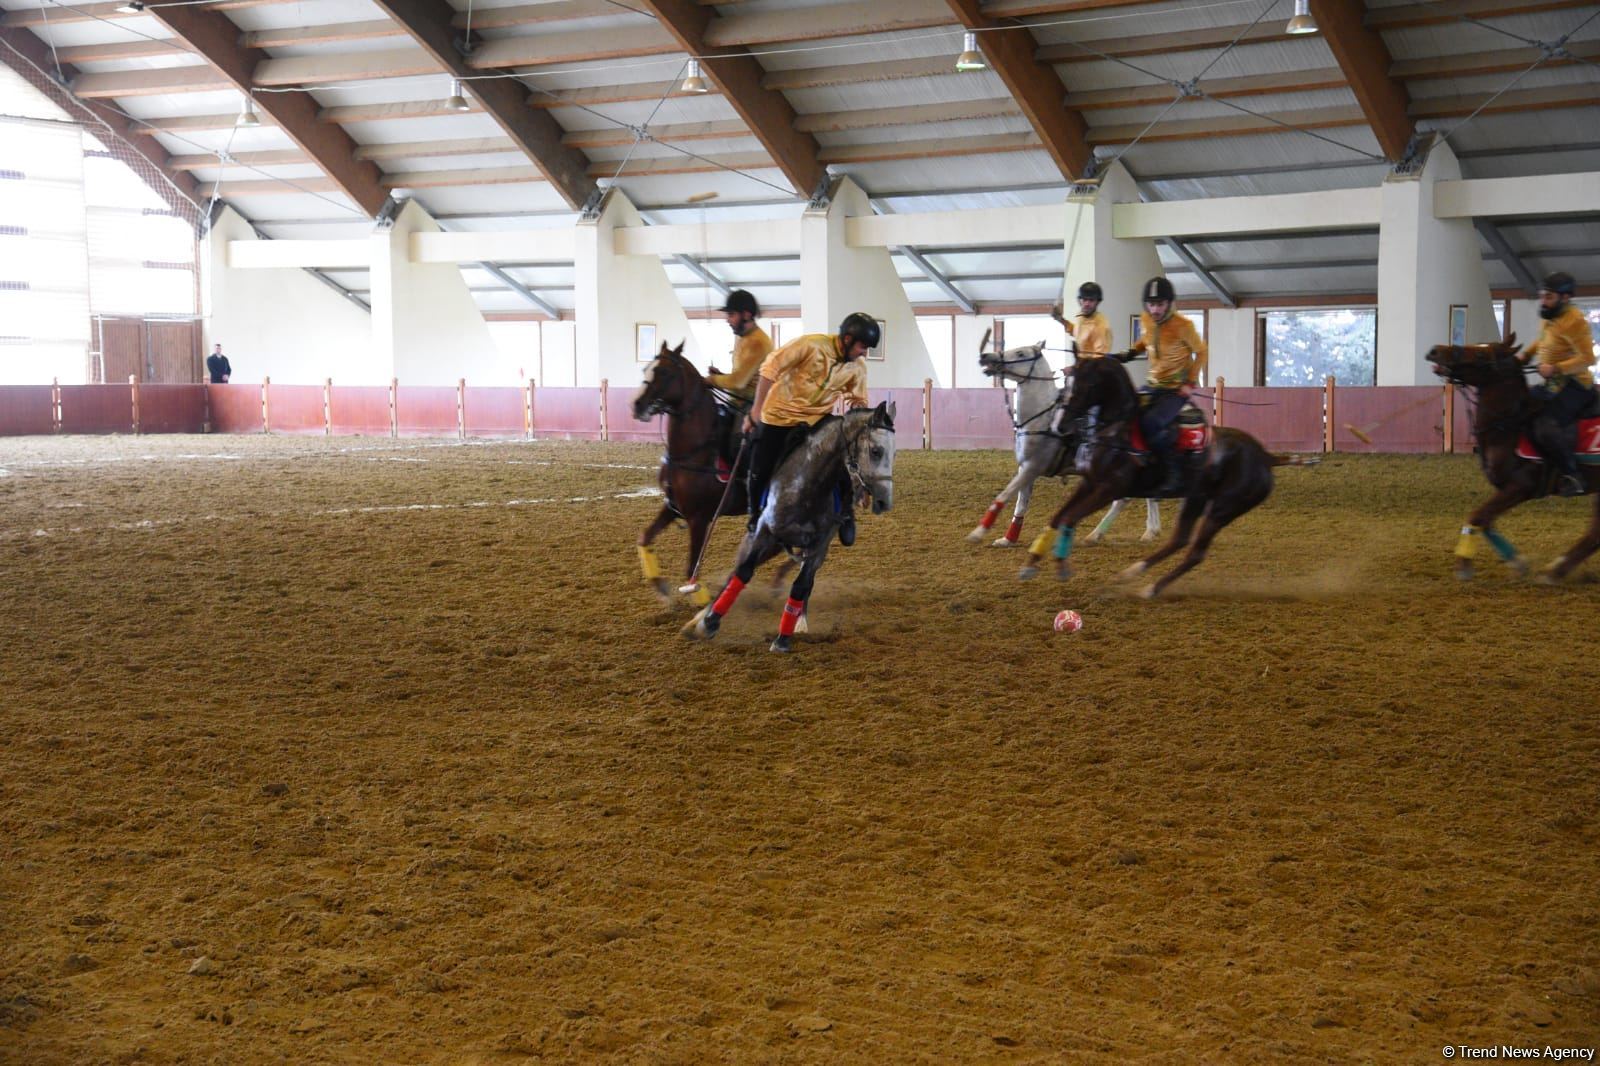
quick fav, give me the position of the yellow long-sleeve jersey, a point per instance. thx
(1178, 355)
(1092, 335)
(749, 352)
(807, 375)
(1566, 343)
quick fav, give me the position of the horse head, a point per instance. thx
(870, 456)
(1102, 383)
(1477, 365)
(666, 384)
(1017, 364)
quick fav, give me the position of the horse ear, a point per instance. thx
(678, 351)
(1511, 340)
(883, 416)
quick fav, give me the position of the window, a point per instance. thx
(1305, 347)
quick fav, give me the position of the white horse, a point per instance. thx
(1040, 447)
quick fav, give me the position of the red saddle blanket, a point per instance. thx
(1588, 443)
(1190, 438)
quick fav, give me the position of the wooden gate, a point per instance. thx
(152, 350)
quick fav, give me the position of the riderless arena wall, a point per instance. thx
(339, 725)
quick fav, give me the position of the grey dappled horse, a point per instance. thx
(1041, 446)
(799, 515)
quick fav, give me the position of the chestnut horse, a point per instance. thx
(689, 475)
(1227, 479)
(1505, 409)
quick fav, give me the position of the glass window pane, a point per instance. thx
(1305, 347)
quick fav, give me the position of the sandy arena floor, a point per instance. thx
(369, 751)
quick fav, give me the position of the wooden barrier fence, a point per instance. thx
(1326, 418)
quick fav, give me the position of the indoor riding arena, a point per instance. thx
(370, 371)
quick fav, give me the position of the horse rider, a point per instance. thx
(1091, 332)
(1178, 357)
(797, 388)
(750, 348)
(1564, 350)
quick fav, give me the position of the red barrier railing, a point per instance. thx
(172, 408)
(971, 418)
(427, 411)
(495, 412)
(567, 414)
(1282, 419)
(1388, 419)
(96, 409)
(235, 408)
(297, 409)
(27, 410)
(359, 410)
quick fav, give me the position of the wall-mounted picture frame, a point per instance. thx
(881, 352)
(1135, 324)
(645, 345)
(1458, 323)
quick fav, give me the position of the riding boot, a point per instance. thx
(1172, 473)
(1563, 453)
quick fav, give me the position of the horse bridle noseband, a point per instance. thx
(1021, 427)
(852, 465)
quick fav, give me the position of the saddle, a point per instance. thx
(729, 435)
(1193, 437)
(1194, 434)
(1588, 426)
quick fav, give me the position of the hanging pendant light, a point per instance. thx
(455, 101)
(692, 81)
(1302, 21)
(970, 58)
(247, 113)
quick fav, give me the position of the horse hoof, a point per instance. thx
(1093, 540)
(703, 626)
(1028, 573)
(1518, 566)
(661, 590)
(1136, 570)
(1464, 573)
(1149, 592)
(783, 644)
(976, 536)
(1150, 536)
(801, 625)
(1002, 542)
(1548, 577)
(1063, 571)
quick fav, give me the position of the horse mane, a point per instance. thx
(1124, 402)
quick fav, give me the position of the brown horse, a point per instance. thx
(1225, 480)
(689, 471)
(1505, 409)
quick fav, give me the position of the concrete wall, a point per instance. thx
(1120, 265)
(424, 321)
(1231, 337)
(1426, 264)
(282, 324)
(615, 293)
(836, 279)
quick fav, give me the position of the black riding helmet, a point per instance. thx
(740, 300)
(1158, 288)
(1090, 291)
(1561, 283)
(861, 327)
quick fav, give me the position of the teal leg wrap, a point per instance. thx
(1502, 547)
(1064, 542)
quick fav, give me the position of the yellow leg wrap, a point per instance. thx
(700, 597)
(1041, 543)
(1467, 546)
(649, 563)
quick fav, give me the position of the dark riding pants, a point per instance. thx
(1159, 418)
(769, 446)
(1557, 425)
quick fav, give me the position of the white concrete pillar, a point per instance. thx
(426, 328)
(1231, 339)
(836, 279)
(1525, 320)
(616, 295)
(1426, 265)
(969, 330)
(1121, 265)
(283, 322)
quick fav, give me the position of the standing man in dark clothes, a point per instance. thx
(217, 366)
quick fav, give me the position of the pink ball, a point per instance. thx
(1068, 622)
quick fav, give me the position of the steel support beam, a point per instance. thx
(933, 274)
(521, 290)
(1507, 255)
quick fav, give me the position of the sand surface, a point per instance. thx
(369, 751)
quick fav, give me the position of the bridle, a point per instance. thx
(1506, 423)
(852, 464)
(999, 364)
(660, 405)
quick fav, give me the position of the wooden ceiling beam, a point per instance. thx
(351, 66)
(615, 136)
(536, 133)
(1129, 47)
(269, 187)
(1509, 102)
(384, 153)
(102, 53)
(275, 157)
(1033, 85)
(1365, 60)
(851, 19)
(1161, 93)
(1435, 13)
(213, 35)
(859, 73)
(442, 179)
(983, 144)
(1229, 126)
(645, 166)
(914, 114)
(105, 10)
(630, 92)
(158, 81)
(765, 112)
(1503, 61)
(549, 49)
(328, 33)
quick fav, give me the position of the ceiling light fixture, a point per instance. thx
(455, 101)
(692, 81)
(1302, 21)
(247, 113)
(970, 58)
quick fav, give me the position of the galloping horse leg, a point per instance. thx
(1086, 501)
(794, 610)
(1193, 508)
(1098, 533)
(756, 550)
(1219, 514)
(1014, 530)
(1152, 520)
(699, 526)
(1482, 521)
(1576, 554)
(1023, 476)
(649, 562)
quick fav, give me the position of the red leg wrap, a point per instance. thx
(1014, 530)
(991, 514)
(792, 611)
(724, 602)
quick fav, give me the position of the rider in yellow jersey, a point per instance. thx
(797, 388)
(1178, 357)
(1564, 352)
(1091, 331)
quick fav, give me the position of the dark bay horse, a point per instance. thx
(689, 475)
(800, 515)
(1227, 479)
(1505, 409)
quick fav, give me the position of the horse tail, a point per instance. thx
(1293, 460)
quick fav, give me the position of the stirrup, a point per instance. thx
(1570, 485)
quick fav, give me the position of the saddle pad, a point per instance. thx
(1588, 443)
(1190, 438)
